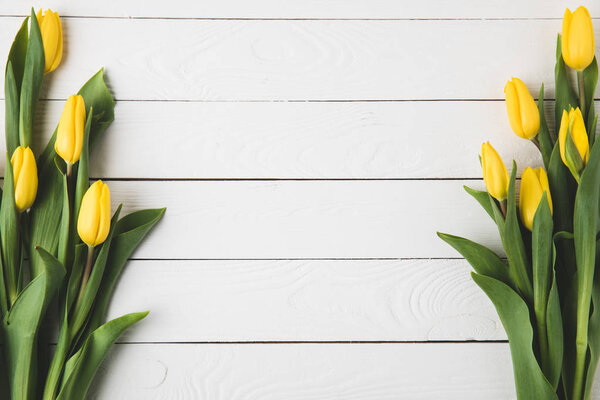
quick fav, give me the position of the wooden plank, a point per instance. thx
(267, 60)
(298, 140)
(307, 371)
(305, 9)
(306, 219)
(308, 300)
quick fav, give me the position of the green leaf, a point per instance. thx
(482, 198)
(83, 171)
(541, 249)
(572, 156)
(594, 330)
(555, 336)
(592, 127)
(81, 312)
(18, 52)
(544, 139)
(11, 110)
(513, 244)
(76, 275)
(565, 95)
(45, 216)
(584, 232)
(561, 187)
(81, 368)
(64, 234)
(21, 326)
(484, 261)
(566, 282)
(96, 95)
(129, 233)
(9, 236)
(590, 80)
(530, 382)
(33, 75)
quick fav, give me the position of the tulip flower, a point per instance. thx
(495, 174)
(52, 38)
(94, 215)
(572, 125)
(71, 127)
(25, 177)
(534, 182)
(577, 38)
(523, 113)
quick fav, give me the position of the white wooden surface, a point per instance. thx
(307, 153)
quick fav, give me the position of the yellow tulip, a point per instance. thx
(573, 120)
(523, 113)
(495, 174)
(577, 38)
(69, 135)
(52, 37)
(534, 182)
(93, 223)
(25, 177)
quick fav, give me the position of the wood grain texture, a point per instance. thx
(306, 219)
(297, 140)
(305, 9)
(307, 371)
(269, 60)
(308, 300)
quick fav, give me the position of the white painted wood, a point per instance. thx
(302, 60)
(227, 92)
(298, 140)
(309, 300)
(307, 371)
(304, 9)
(306, 219)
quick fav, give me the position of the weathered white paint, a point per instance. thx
(304, 300)
(471, 371)
(304, 9)
(306, 219)
(198, 140)
(299, 60)
(230, 92)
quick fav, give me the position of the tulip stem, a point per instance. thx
(86, 274)
(69, 170)
(581, 84)
(503, 207)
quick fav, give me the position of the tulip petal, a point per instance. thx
(513, 108)
(104, 223)
(578, 38)
(530, 117)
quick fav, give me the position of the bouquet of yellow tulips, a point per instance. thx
(58, 242)
(547, 292)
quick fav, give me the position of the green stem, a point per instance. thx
(13, 278)
(57, 365)
(581, 340)
(542, 331)
(503, 207)
(581, 84)
(86, 275)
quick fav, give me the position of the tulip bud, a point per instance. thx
(52, 37)
(71, 127)
(495, 174)
(523, 113)
(534, 182)
(577, 38)
(25, 177)
(571, 125)
(93, 224)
